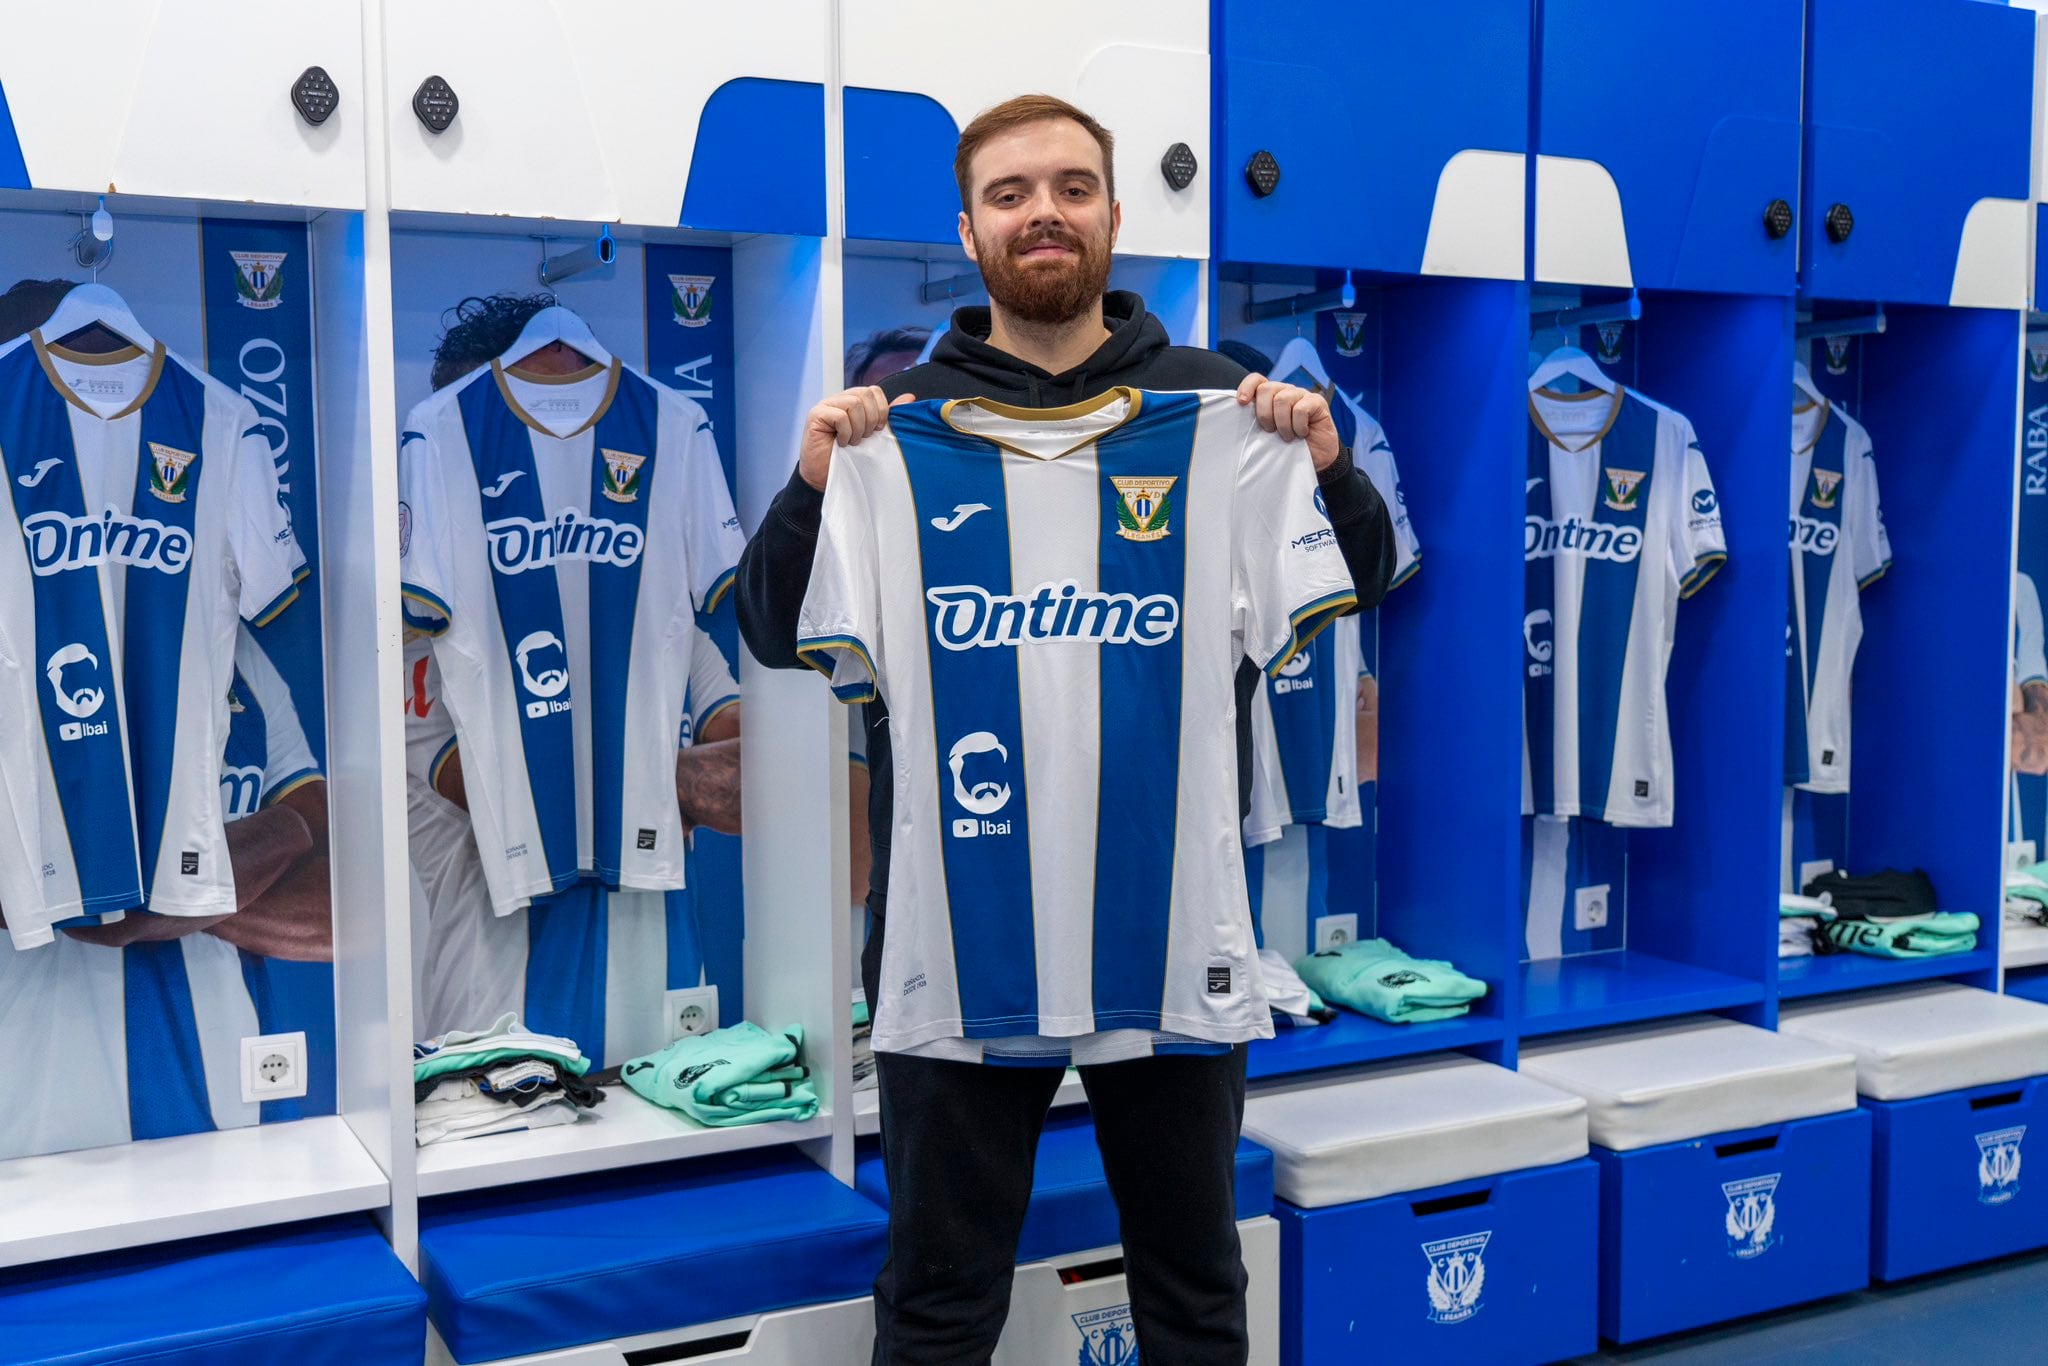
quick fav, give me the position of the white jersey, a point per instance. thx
(149, 520)
(1305, 720)
(1054, 603)
(558, 574)
(1622, 522)
(1839, 548)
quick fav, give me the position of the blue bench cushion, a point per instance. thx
(309, 1294)
(645, 1250)
(1071, 1208)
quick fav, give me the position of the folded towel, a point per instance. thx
(1927, 936)
(1375, 978)
(738, 1075)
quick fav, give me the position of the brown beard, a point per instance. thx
(1047, 293)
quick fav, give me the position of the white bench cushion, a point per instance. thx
(1928, 1038)
(1409, 1126)
(1692, 1076)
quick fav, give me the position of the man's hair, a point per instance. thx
(479, 330)
(28, 304)
(1016, 113)
(889, 340)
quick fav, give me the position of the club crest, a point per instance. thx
(1838, 354)
(690, 297)
(1457, 1276)
(170, 472)
(1610, 343)
(2037, 362)
(1827, 487)
(1998, 1165)
(1108, 1337)
(1752, 1215)
(1143, 506)
(1623, 488)
(1350, 332)
(621, 475)
(259, 278)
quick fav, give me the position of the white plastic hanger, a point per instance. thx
(87, 305)
(1570, 360)
(554, 324)
(1300, 354)
(1803, 388)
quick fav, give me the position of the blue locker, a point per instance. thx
(1951, 1181)
(1362, 107)
(1916, 110)
(1694, 113)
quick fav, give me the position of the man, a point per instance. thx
(879, 355)
(1039, 216)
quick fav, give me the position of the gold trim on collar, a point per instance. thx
(1619, 396)
(611, 391)
(1827, 410)
(576, 377)
(48, 353)
(1069, 413)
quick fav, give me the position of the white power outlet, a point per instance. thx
(2020, 854)
(1812, 869)
(1335, 931)
(691, 1010)
(1590, 910)
(273, 1067)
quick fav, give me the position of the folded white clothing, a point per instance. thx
(478, 1115)
(1795, 935)
(1286, 993)
(1791, 903)
(505, 1033)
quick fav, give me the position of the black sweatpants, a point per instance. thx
(959, 1141)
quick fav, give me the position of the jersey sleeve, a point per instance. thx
(424, 560)
(1701, 548)
(429, 729)
(1870, 545)
(288, 762)
(1288, 578)
(267, 556)
(712, 688)
(1375, 456)
(715, 539)
(839, 628)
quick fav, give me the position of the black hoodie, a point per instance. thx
(775, 568)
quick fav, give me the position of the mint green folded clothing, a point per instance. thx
(1928, 936)
(1374, 978)
(738, 1075)
(2030, 882)
(426, 1069)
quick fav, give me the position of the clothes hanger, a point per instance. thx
(1570, 360)
(1803, 387)
(1300, 354)
(95, 308)
(555, 324)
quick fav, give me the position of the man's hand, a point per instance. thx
(1292, 412)
(841, 420)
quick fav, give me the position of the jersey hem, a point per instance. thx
(1308, 622)
(269, 612)
(711, 714)
(1656, 820)
(291, 784)
(1405, 574)
(1873, 576)
(433, 625)
(1704, 568)
(820, 652)
(719, 589)
(1826, 787)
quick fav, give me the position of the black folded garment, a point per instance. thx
(1889, 895)
(584, 1090)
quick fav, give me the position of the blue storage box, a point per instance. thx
(308, 1294)
(1496, 1270)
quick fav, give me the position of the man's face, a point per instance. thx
(883, 364)
(1042, 224)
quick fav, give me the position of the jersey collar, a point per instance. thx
(611, 390)
(1620, 397)
(1068, 413)
(48, 353)
(1827, 410)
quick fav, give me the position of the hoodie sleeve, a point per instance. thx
(1365, 531)
(775, 573)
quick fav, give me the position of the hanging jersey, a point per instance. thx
(1054, 603)
(149, 520)
(1839, 548)
(1305, 721)
(1622, 522)
(558, 574)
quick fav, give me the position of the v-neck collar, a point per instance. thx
(1069, 413)
(1827, 410)
(49, 353)
(1619, 397)
(611, 390)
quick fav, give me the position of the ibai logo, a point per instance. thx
(690, 298)
(1838, 355)
(1108, 1337)
(1827, 487)
(1610, 343)
(543, 672)
(259, 278)
(1998, 1165)
(1537, 642)
(1294, 675)
(170, 472)
(81, 699)
(1143, 506)
(1350, 333)
(980, 791)
(2037, 361)
(1752, 1214)
(1623, 488)
(621, 475)
(1457, 1276)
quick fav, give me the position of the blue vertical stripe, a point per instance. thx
(153, 626)
(166, 1070)
(975, 692)
(1539, 631)
(90, 770)
(1305, 725)
(1136, 829)
(1607, 605)
(1815, 573)
(1255, 890)
(529, 607)
(297, 998)
(628, 427)
(566, 941)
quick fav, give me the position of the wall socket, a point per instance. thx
(1335, 931)
(1590, 910)
(1812, 869)
(691, 1010)
(273, 1067)
(2020, 854)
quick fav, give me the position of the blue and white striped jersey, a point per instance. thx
(1054, 603)
(149, 520)
(556, 536)
(1305, 719)
(1839, 548)
(1622, 522)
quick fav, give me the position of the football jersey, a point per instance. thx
(149, 520)
(1305, 720)
(106, 1045)
(555, 537)
(1622, 522)
(1054, 603)
(1839, 548)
